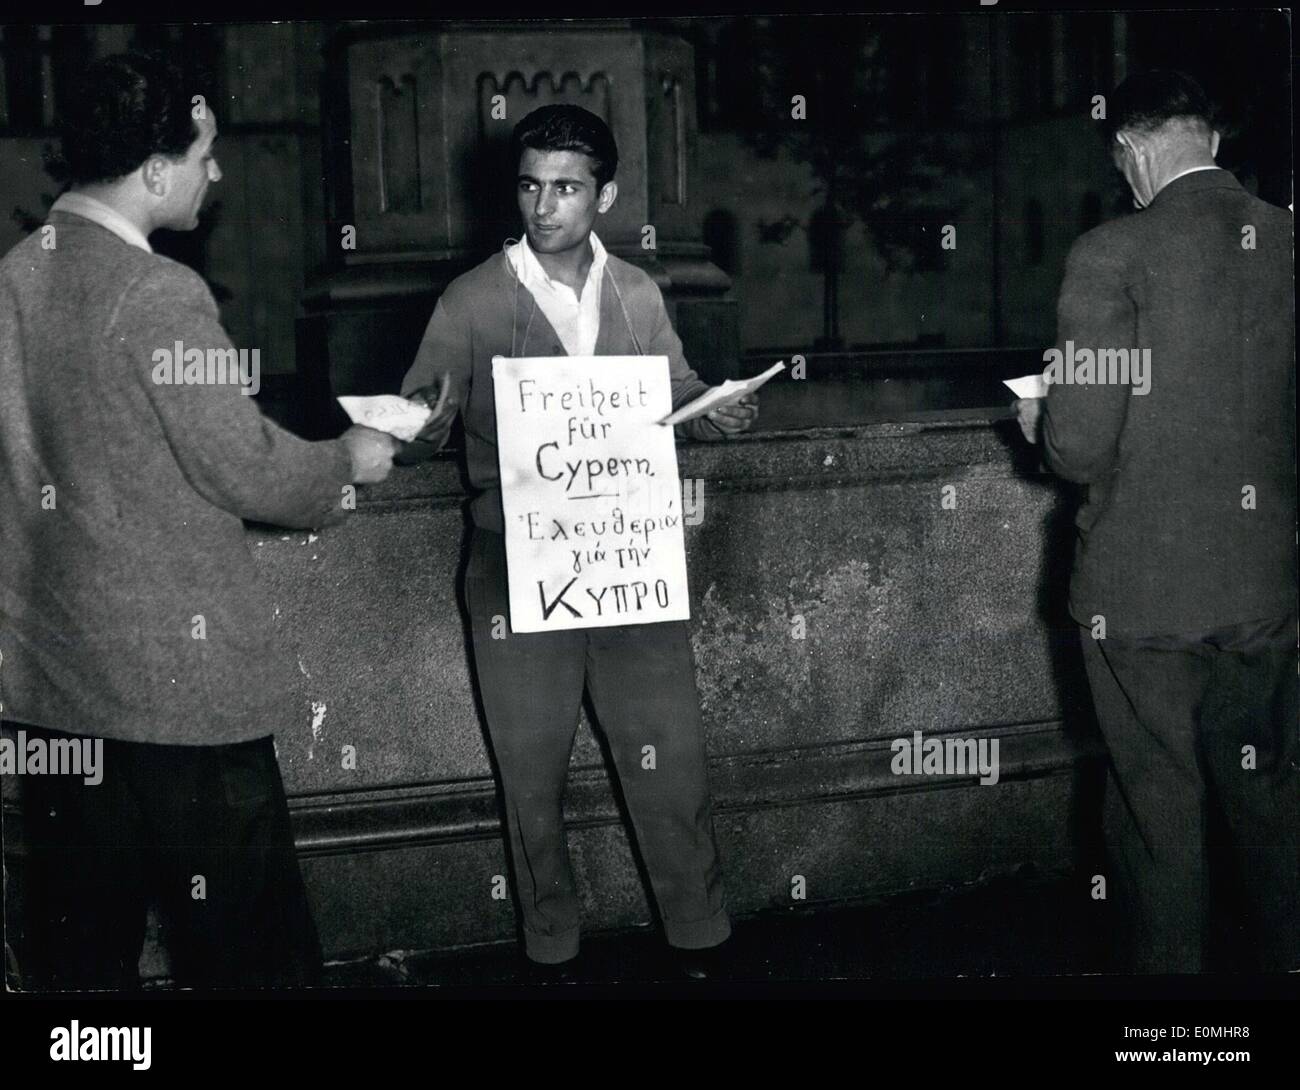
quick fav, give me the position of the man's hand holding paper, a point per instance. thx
(371, 451)
(420, 423)
(1030, 391)
(438, 398)
(735, 418)
(730, 408)
(1029, 413)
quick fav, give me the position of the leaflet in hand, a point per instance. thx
(388, 413)
(1028, 386)
(716, 396)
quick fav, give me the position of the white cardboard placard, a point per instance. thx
(590, 491)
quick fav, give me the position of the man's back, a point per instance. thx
(1190, 520)
(123, 500)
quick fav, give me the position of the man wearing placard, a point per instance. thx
(558, 293)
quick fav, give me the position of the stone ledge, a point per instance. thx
(410, 815)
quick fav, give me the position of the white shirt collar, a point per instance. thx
(574, 318)
(79, 204)
(1189, 170)
(530, 270)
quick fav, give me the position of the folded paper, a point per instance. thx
(716, 396)
(388, 413)
(1028, 386)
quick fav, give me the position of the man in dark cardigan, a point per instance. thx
(1185, 574)
(130, 610)
(558, 292)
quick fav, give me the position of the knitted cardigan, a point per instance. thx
(488, 312)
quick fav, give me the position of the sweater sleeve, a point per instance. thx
(1082, 422)
(686, 384)
(228, 452)
(445, 350)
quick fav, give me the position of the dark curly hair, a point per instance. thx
(123, 109)
(1146, 100)
(567, 128)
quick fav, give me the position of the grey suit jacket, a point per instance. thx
(1190, 518)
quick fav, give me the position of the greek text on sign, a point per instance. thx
(590, 492)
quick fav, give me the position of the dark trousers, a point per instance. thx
(1202, 808)
(203, 831)
(641, 679)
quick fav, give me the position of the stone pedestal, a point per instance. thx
(422, 177)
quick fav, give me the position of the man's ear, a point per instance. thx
(156, 175)
(1214, 144)
(608, 194)
(1139, 148)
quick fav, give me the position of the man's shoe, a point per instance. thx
(710, 963)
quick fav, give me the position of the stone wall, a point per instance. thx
(923, 565)
(914, 615)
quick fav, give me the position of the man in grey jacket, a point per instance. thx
(1173, 400)
(130, 610)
